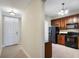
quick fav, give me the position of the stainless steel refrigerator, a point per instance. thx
(53, 32)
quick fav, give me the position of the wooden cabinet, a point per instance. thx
(78, 42)
(56, 23)
(61, 39)
(78, 18)
(48, 50)
(73, 19)
(61, 22)
(66, 22)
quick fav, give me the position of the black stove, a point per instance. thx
(72, 40)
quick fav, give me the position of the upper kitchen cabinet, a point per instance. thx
(78, 18)
(62, 22)
(75, 19)
(72, 19)
(56, 23)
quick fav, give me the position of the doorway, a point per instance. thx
(11, 30)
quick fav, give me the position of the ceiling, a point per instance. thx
(18, 4)
(52, 7)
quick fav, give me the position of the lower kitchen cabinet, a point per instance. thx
(61, 39)
(78, 42)
(48, 50)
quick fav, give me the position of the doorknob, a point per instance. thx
(16, 32)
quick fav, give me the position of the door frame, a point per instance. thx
(5, 14)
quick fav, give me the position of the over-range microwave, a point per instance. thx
(72, 26)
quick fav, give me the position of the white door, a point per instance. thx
(11, 31)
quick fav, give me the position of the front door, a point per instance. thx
(11, 30)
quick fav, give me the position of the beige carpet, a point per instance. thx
(12, 52)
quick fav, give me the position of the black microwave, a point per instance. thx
(72, 26)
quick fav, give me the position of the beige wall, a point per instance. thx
(0, 33)
(32, 29)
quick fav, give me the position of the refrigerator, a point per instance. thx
(53, 32)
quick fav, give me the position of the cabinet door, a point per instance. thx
(63, 24)
(75, 19)
(66, 22)
(72, 19)
(56, 23)
(61, 39)
(53, 23)
(48, 50)
(78, 42)
(78, 18)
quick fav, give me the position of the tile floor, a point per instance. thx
(12, 52)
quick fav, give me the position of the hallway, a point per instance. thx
(31, 15)
(13, 52)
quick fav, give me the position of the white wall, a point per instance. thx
(46, 30)
(48, 19)
(33, 29)
(47, 24)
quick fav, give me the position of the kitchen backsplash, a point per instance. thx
(69, 30)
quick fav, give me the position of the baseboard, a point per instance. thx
(9, 45)
(0, 51)
(25, 52)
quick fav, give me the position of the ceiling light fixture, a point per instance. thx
(63, 11)
(12, 13)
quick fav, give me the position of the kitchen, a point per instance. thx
(68, 31)
(63, 32)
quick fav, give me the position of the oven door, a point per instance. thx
(72, 42)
